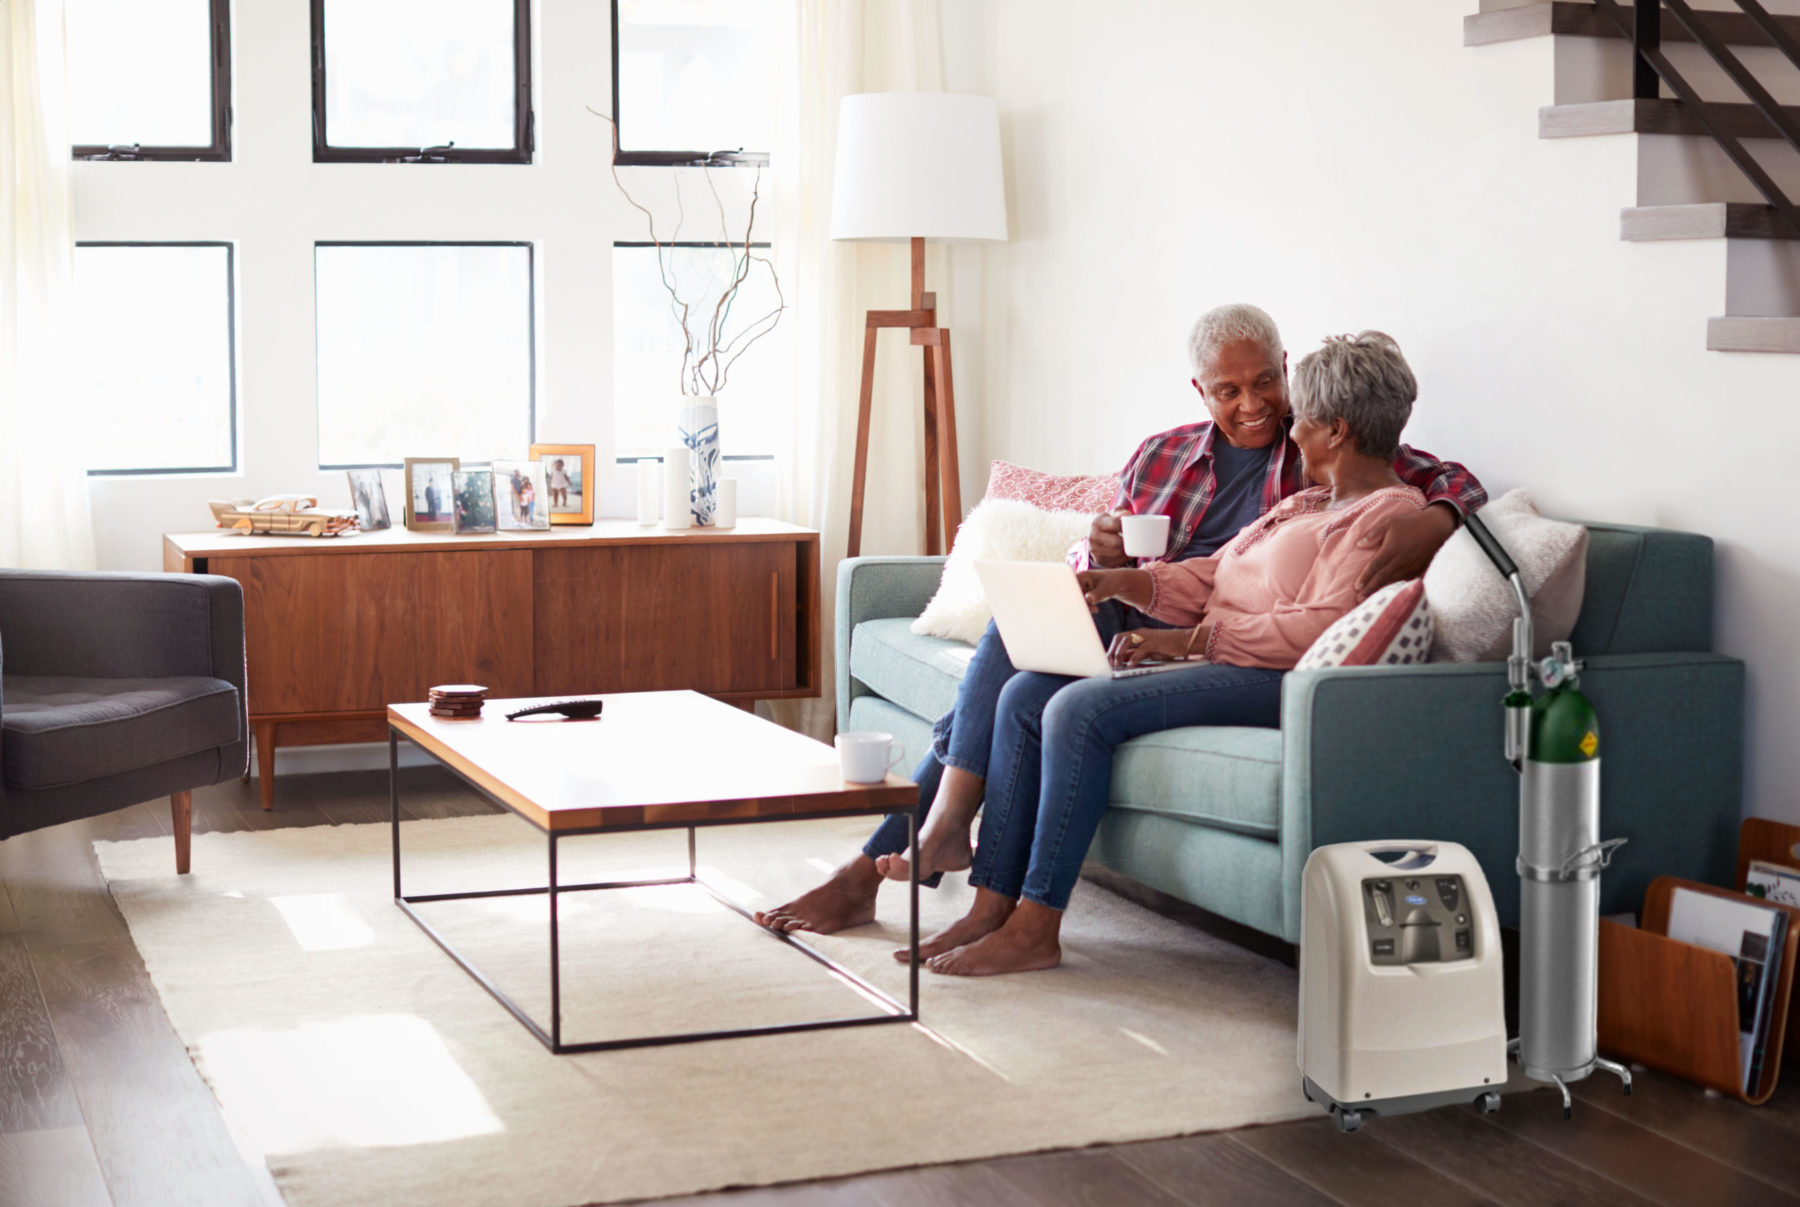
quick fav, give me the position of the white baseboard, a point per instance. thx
(346, 756)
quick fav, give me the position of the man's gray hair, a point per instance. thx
(1363, 380)
(1227, 325)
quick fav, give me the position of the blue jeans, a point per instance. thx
(964, 736)
(1052, 762)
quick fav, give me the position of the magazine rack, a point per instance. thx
(1674, 1006)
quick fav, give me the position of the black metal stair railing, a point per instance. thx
(1644, 28)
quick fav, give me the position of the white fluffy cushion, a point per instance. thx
(1472, 607)
(1002, 530)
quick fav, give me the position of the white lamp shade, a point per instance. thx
(918, 165)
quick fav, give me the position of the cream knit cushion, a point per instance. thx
(1473, 608)
(1001, 530)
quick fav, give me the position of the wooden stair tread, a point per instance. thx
(1737, 333)
(1586, 21)
(1716, 220)
(1652, 117)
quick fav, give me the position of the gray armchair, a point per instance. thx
(116, 689)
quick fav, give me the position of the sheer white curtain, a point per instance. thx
(830, 49)
(44, 520)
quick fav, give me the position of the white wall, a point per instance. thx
(1350, 165)
(273, 202)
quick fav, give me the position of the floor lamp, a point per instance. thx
(913, 166)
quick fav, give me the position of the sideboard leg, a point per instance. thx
(265, 762)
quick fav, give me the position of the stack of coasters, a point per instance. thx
(457, 700)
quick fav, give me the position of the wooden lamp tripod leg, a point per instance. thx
(860, 473)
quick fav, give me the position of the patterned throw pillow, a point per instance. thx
(1052, 492)
(1390, 628)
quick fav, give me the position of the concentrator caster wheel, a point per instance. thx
(1348, 1121)
(1488, 1103)
(1306, 1091)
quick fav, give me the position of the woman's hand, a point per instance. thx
(1098, 586)
(1152, 645)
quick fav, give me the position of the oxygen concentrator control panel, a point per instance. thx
(1417, 920)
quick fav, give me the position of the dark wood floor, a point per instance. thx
(100, 1104)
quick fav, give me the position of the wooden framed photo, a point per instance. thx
(569, 481)
(370, 500)
(429, 493)
(521, 498)
(474, 491)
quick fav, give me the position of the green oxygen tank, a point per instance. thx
(1560, 857)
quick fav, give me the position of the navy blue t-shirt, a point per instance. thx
(1237, 497)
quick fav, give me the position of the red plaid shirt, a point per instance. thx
(1171, 474)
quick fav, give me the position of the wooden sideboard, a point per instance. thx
(338, 628)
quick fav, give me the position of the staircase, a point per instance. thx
(1713, 162)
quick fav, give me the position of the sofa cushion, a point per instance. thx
(57, 730)
(1225, 777)
(917, 672)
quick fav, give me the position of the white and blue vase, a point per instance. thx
(699, 429)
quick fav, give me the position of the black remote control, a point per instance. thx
(571, 710)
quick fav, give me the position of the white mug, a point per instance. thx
(1145, 535)
(866, 758)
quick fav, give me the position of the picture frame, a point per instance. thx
(369, 497)
(473, 506)
(429, 492)
(521, 497)
(573, 502)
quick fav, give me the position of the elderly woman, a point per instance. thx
(1249, 611)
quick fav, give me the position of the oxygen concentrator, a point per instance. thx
(1352, 1058)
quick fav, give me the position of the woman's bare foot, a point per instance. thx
(944, 838)
(1026, 943)
(988, 914)
(941, 852)
(846, 899)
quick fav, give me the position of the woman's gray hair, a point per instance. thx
(1227, 325)
(1363, 380)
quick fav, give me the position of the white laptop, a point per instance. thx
(1046, 625)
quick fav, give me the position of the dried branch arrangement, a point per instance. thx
(708, 350)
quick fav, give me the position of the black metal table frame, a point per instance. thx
(552, 1039)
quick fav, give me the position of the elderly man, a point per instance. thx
(1211, 478)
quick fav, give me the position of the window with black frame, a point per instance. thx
(411, 81)
(694, 81)
(423, 349)
(158, 395)
(149, 81)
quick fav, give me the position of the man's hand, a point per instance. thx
(1106, 539)
(1405, 547)
(1135, 587)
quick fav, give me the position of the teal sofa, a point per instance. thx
(1224, 818)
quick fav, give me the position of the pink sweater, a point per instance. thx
(1282, 581)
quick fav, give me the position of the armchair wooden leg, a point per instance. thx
(181, 810)
(265, 762)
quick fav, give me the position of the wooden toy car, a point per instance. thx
(282, 515)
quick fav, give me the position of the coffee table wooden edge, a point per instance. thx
(852, 799)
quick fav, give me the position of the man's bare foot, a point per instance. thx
(1027, 943)
(846, 899)
(987, 915)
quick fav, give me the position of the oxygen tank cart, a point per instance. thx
(1553, 742)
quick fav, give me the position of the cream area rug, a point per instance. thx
(352, 1056)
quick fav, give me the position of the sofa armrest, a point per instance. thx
(122, 626)
(1417, 752)
(875, 588)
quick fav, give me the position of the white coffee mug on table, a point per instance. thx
(867, 757)
(1145, 535)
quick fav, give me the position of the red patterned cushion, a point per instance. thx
(1052, 492)
(1390, 628)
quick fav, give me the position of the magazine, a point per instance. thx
(1773, 882)
(1752, 935)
